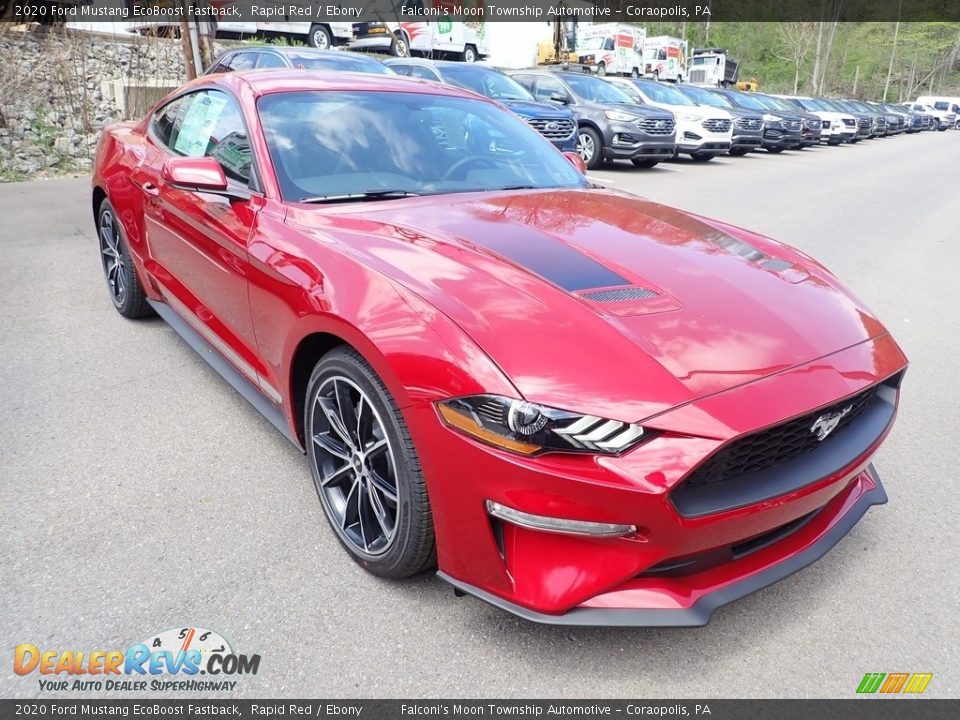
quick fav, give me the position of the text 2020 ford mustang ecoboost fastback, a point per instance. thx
(582, 406)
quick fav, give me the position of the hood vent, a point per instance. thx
(621, 294)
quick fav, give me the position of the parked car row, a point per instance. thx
(631, 118)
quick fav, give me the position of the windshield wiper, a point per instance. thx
(361, 196)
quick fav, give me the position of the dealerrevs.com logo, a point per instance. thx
(170, 660)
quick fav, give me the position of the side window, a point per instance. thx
(608, 44)
(167, 120)
(423, 72)
(242, 61)
(208, 123)
(401, 69)
(939, 106)
(269, 60)
(527, 81)
(547, 87)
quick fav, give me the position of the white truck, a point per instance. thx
(466, 41)
(712, 67)
(323, 35)
(665, 58)
(611, 49)
(943, 104)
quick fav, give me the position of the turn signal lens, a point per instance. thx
(558, 525)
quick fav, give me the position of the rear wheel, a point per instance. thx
(120, 272)
(470, 54)
(400, 47)
(320, 37)
(645, 162)
(590, 147)
(365, 468)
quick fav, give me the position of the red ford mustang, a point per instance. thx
(584, 407)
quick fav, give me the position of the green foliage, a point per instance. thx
(926, 61)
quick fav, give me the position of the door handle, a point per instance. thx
(150, 189)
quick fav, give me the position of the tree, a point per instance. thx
(794, 46)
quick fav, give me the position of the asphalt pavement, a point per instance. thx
(139, 492)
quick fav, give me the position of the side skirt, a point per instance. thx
(216, 361)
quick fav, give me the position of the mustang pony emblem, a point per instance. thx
(828, 422)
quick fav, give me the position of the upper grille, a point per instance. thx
(657, 126)
(716, 125)
(863, 122)
(778, 444)
(793, 124)
(749, 123)
(619, 294)
(553, 128)
(849, 122)
(698, 76)
(814, 124)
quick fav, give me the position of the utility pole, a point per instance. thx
(893, 52)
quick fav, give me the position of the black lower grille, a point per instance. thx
(778, 444)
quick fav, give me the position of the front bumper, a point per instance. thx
(819, 537)
(775, 137)
(632, 579)
(625, 141)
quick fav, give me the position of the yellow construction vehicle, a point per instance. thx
(750, 85)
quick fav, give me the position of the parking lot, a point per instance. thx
(139, 492)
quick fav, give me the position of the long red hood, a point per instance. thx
(719, 306)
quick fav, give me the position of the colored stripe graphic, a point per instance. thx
(894, 683)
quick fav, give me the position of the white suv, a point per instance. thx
(945, 119)
(703, 131)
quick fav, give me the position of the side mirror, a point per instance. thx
(560, 98)
(195, 173)
(576, 161)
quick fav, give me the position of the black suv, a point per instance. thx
(610, 125)
(781, 130)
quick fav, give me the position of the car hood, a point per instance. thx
(536, 110)
(707, 111)
(684, 306)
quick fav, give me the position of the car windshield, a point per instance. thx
(596, 90)
(704, 97)
(749, 101)
(490, 83)
(665, 94)
(594, 43)
(774, 103)
(327, 146)
(342, 63)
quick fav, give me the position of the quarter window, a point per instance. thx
(269, 60)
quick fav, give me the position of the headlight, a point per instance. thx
(527, 428)
(767, 117)
(525, 118)
(620, 116)
(689, 117)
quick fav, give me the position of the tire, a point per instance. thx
(774, 150)
(656, 76)
(320, 37)
(590, 147)
(119, 269)
(679, 78)
(470, 54)
(645, 162)
(943, 128)
(701, 157)
(344, 384)
(601, 70)
(400, 46)
(635, 73)
(739, 152)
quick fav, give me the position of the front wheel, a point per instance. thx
(656, 76)
(590, 147)
(635, 73)
(645, 162)
(701, 157)
(739, 152)
(320, 37)
(601, 70)
(774, 150)
(365, 468)
(119, 270)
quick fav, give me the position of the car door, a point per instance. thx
(197, 241)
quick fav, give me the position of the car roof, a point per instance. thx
(265, 82)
